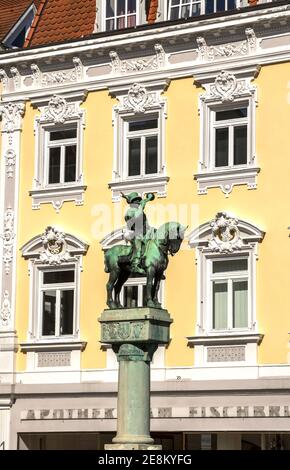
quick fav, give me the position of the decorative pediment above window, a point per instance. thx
(114, 238)
(225, 234)
(54, 247)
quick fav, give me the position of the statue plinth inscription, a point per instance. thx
(134, 335)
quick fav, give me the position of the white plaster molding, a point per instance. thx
(227, 179)
(54, 247)
(60, 77)
(8, 237)
(53, 346)
(231, 338)
(10, 157)
(4, 79)
(152, 184)
(225, 233)
(241, 48)
(12, 114)
(57, 196)
(114, 238)
(227, 87)
(138, 65)
(5, 314)
(16, 78)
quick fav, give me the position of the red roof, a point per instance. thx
(62, 20)
(10, 12)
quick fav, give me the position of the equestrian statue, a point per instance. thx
(146, 254)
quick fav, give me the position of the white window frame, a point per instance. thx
(140, 282)
(62, 144)
(36, 307)
(154, 132)
(227, 278)
(57, 194)
(226, 177)
(194, 2)
(156, 182)
(230, 124)
(126, 16)
(58, 287)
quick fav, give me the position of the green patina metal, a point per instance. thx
(147, 253)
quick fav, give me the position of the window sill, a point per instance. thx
(155, 184)
(226, 179)
(230, 338)
(53, 346)
(57, 196)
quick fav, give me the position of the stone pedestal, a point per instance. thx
(134, 334)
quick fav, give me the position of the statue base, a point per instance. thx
(132, 447)
(134, 334)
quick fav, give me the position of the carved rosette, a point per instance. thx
(5, 314)
(8, 239)
(138, 99)
(59, 110)
(225, 234)
(226, 87)
(54, 247)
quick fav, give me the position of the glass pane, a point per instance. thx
(121, 7)
(54, 165)
(58, 277)
(195, 9)
(131, 21)
(151, 163)
(231, 114)
(222, 147)
(131, 6)
(231, 4)
(130, 296)
(240, 145)
(110, 10)
(143, 125)
(209, 6)
(220, 5)
(110, 25)
(121, 22)
(230, 265)
(70, 163)
(48, 313)
(66, 312)
(134, 167)
(64, 134)
(240, 304)
(185, 11)
(220, 305)
(174, 14)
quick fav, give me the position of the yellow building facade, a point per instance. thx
(208, 102)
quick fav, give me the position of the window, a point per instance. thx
(61, 156)
(120, 14)
(57, 299)
(142, 147)
(59, 153)
(188, 8)
(229, 286)
(133, 293)
(230, 135)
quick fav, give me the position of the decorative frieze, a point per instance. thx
(138, 65)
(122, 330)
(211, 53)
(226, 354)
(8, 237)
(61, 77)
(54, 359)
(5, 314)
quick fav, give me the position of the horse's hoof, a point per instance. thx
(150, 303)
(112, 306)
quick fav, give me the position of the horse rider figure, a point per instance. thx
(138, 230)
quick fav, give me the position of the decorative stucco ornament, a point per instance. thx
(225, 234)
(55, 248)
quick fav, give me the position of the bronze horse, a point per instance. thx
(167, 239)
